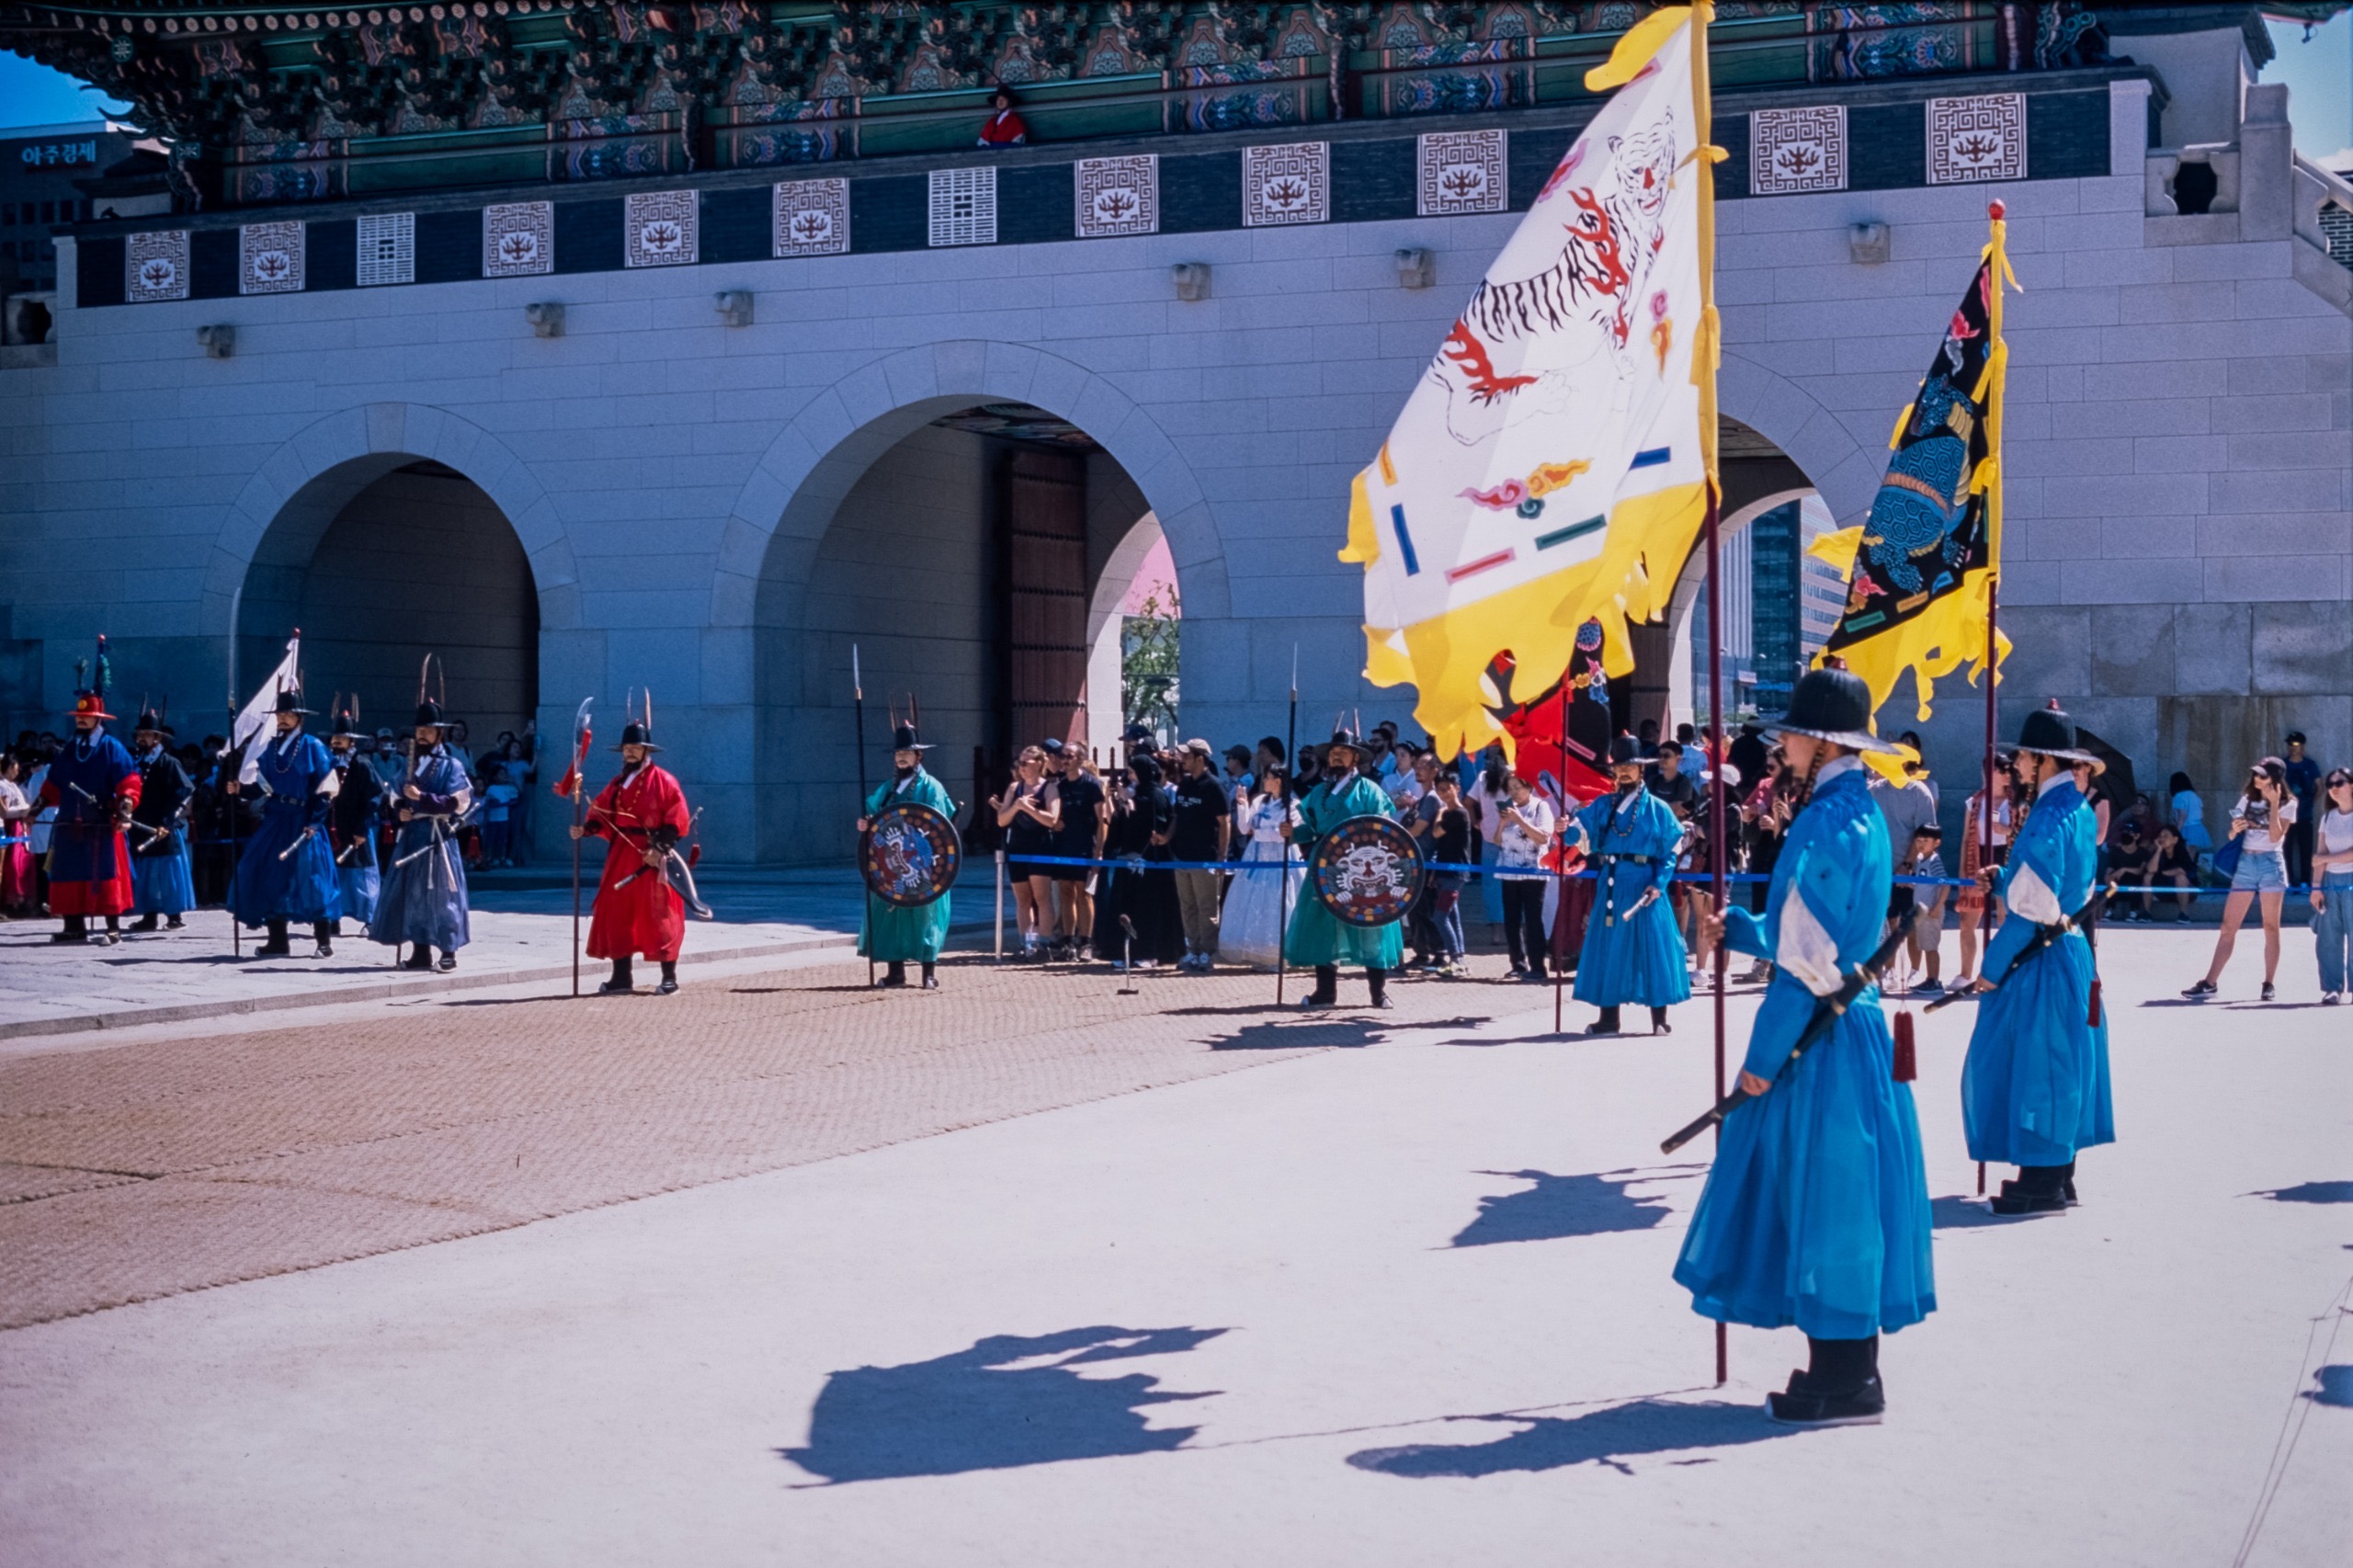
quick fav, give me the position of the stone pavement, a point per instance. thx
(522, 929)
(1401, 1297)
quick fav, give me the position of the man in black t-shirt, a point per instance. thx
(1671, 784)
(1080, 838)
(1204, 823)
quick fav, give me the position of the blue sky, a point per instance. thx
(2319, 75)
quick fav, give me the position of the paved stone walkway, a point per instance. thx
(1400, 1298)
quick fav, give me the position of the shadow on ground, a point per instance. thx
(1607, 1437)
(2336, 1386)
(2309, 1192)
(1560, 1206)
(1333, 1027)
(1009, 1401)
(1967, 1214)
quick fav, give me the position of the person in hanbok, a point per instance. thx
(161, 887)
(1815, 1212)
(421, 899)
(93, 785)
(352, 823)
(1263, 890)
(1317, 939)
(17, 888)
(1633, 951)
(644, 814)
(893, 934)
(2034, 1088)
(286, 871)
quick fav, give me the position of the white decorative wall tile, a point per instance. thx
(660, 228)
(1790, 150)
(963, 207)
(1462, 171)
(517, 239)
(154, 267)
(1290, 182)
(811, 217)
(388, 249)
(269, 259)
(1117, 196)
(1977, 138)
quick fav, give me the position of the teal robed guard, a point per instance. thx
(1316, 939)
(894, 934)
(2034, 1089)
(1816, 1210)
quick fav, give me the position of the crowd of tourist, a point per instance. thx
(1177, 857)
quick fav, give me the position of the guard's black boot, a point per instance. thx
(1377, 980)
(1658, 1022)
(1327, 987)
(1606, 1024)
(276, 946)
(114, 930)
(146, 923)
(895, 974)
(324, 934)
(2039, 1189)
(175, 924)
(2067, 1184)
(930, 978)
(421, 958)
(448, 961)
(1840, 1389)
(669, 986)
(622, 983)
(76, 929)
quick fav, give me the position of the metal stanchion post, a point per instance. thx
(1000, 905)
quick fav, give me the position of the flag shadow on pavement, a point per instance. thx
(1558, 1206)
(1607, 1437)
(1009, 1401)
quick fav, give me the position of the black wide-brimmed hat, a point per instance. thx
(148, 719)
(343, 725)
(1834, 706)
(429, 712)
(291, 702)
(635, 734)
(903, 738)
(1624, 750)
(1344, 736)
(2049, 732)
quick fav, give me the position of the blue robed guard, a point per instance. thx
(161, 886)
(1816, 1210)
(2034, 1090)
(1317, 940)
(1633, 949)
(422, 897)
(286, 871)
(358, 808)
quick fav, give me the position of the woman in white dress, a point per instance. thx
(1251, 930)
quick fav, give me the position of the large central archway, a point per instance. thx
(958, 535)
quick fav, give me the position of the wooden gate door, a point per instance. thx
(1045, 517)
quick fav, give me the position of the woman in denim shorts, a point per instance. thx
(2260, 823)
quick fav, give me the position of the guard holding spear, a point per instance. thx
(642, 814)
(1816, 1210)
(895, 932)
(95, 787)
(286, 871)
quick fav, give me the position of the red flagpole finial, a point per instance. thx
(1994, 209)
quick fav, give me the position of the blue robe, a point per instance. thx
(357, 812)
(1631, 955)
(2035, 1088)
(1816, 1210)
(1315, 938)
(892, 932)
(425, 901)
(281, 873)
(160, 882)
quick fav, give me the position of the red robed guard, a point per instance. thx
(93, 785)
(642, 814)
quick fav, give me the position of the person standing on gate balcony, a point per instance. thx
(1005, 127)
(2332, 895)
(2259, 825)
(2304, 783)
(1030, 814)
(643, 815)
(161, 885)
(1202, 827)
(889, 933)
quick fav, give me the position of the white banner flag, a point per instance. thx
(1549, 466)
(254, 720)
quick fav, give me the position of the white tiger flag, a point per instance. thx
(1552, 464)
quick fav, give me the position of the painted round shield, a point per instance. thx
(1367, 872)
(910, 855)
